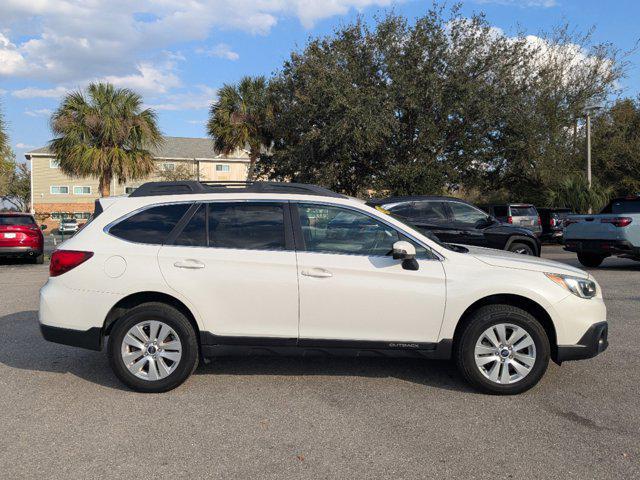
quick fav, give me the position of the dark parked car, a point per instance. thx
(453, 220)
(523, 215)
(21, 237)
(552, 220)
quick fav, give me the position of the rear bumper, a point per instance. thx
(19, 252)
(90, 339)
(593, 342)
(602, 247)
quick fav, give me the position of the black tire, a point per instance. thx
(591, 260)
(481, 320)
(521, 248)
(39, 260)
(174, 319)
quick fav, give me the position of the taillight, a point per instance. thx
(539, 220)
(509, 219)
(552, 222)
(64, 260)
(617, 221)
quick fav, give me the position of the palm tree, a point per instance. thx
(105, 133)
(240, 118)
(573, 192)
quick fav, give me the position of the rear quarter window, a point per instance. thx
(151, 225)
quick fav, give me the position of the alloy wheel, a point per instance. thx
(151, 350)
(505, 353)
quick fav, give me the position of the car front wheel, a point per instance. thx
(521, 248)
(502, 350)
(153, 348)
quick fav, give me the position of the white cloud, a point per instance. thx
(32, 92)
(24, 146)
(77, 38)
(197, 122)
(199, 99)
(148, 79)
(522, 3)
(221, 50)
(39, 112)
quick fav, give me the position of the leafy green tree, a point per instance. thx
(240, 118)
(15, 182)
(442, 104)
(616, 146)
(105, 133)
(182, 171)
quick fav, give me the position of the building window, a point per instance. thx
(129, 190)
(58, 190)
(53, 163)
(81, 215)
(168, 167)
(82, 190)
(222, 168)
(56, 215)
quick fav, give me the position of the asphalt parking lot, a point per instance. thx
(64, 415)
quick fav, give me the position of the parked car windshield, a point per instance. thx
(16, 220)
(523, 212)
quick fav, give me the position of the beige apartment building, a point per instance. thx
(55, 196)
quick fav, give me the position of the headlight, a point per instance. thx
(581, 287)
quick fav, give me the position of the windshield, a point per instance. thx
(16, 220)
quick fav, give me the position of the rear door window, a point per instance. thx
(500, 211)
(249, 226)
(151, 225)
(16, 220)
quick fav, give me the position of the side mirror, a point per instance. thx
(43, 227)
(405, 251)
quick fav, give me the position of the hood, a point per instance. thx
(502, 258)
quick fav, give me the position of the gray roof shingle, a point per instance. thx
(173, 147)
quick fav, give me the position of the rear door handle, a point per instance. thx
(317, 273)
(190, 264)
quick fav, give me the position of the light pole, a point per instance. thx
(588, 110)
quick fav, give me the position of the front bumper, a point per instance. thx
(90, 339)
(593, 342)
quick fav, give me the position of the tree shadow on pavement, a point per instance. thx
(22, 347)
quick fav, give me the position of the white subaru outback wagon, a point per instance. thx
(178, 271)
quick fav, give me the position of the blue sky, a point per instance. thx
(177, 53)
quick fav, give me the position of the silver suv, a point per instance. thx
(522, 215)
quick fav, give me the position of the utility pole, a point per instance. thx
(589, 148)
(588, 109)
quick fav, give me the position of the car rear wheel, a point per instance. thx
(521, 248)
(39, 260)
(153, 348)
(502, 350)
(590, 259)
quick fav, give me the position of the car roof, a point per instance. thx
(415, 198)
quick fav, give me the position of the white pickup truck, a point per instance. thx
(614, 231)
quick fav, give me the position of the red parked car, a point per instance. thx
(20, 236)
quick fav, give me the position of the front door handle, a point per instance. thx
(317, 273)
(190, 264)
